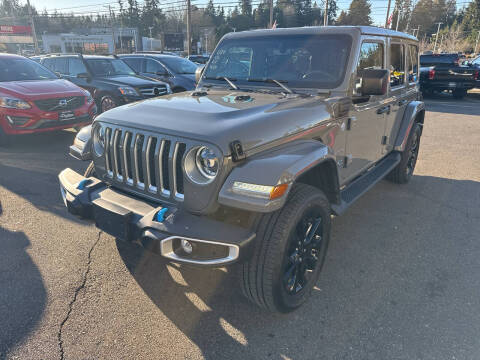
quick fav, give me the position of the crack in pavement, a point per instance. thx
(77, 291)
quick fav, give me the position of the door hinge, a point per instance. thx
(384, 140)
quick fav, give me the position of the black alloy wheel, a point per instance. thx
(304, 249)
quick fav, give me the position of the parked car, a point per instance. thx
(259, 156)
(475, 63)
(440, 72)
(110, 80)
(177, 72)
(33, 99)
(198, 59)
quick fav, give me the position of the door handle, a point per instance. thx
(383, 110)
(402, 102)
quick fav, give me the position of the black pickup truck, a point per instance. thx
(439, 72)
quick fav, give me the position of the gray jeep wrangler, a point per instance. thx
(286, 128)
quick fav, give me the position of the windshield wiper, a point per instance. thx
(279, 83)
(229, 81)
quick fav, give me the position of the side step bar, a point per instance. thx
(362, 184)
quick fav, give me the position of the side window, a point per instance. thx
(61, 66)
(412, 63)
(371, 56)
(76, 66)
(134, 63)
(397, 65)
(154, 67)
(49, 63)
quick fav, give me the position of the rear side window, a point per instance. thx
(61, 66)
(49, 63)
(397, 65)
(371, 56)
(412, 63)
(154, 67)
(134, 63)
(76, 66)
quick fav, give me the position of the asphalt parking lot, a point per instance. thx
(401, 279)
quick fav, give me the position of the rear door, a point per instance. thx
(76, 67)
(399, 91)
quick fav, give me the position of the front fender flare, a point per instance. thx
(282, 165)
(411, 112)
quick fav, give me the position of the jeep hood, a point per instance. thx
(255, 119)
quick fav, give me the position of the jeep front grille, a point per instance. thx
(145, 162)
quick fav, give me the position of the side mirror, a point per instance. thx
(58, 74)
(198, 73)
(373, 81)
(83, 76)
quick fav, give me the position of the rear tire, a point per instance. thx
(459, 94)
(403, 172)
(285, 266)
(90, 170)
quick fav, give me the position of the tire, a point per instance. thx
(106, 103)
(5, 139)
(90, 170)
(459, 94)
(403, 172)
(266, 278)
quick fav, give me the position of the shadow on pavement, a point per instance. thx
(360, 293)
(30, 168)
(445, 103)
(22, 292)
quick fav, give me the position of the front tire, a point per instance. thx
(5, 139)
(107, 102)
(403, 172)
(289, 251)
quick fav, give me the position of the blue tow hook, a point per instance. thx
(81, 185)
(161, 214)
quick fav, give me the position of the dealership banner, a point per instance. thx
(14, 29)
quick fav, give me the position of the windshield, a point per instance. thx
(109, 67)
(179, 65)
(303, 61)
(20, 69)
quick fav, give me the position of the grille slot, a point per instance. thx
(150, 163)
(60, 104)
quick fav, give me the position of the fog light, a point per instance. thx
(186, 246)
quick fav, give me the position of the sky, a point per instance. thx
(379, 7)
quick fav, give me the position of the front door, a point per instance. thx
(367, 124)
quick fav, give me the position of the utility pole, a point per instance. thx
(388, 13)
(399, 14)
(111, 25)
(476, 42)
(325, 16)
(436, 36)
(150, 28)
(189, 35)
(34, 33)
(271, 14)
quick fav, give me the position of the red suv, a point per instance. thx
(33, 99)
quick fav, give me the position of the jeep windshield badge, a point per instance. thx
(161, 214)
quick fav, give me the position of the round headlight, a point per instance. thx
(201, 165)
(207, 162)
(99, 140)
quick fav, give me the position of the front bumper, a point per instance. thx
(128, 218)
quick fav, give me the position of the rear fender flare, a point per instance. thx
(283, 165)
(413, 110)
